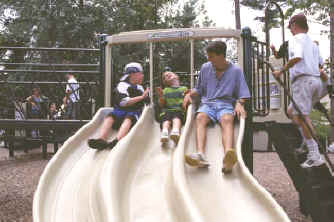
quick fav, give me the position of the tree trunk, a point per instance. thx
(237, 14)
(331, 62)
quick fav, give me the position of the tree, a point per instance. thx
(63, 23)
(237, 14)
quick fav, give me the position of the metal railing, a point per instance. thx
(23, 69)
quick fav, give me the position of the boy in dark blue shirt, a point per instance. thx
(129, 102)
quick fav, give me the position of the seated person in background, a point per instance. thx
(53, 113)
(130, 97)
(35, 101)
(171, 100)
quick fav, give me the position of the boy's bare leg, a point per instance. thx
(198, 159)
(202, 121)
(165, 132)
(306, 133)
(124, 129)
(101, 142)
(106, 126)
(313, 157)
(166, 125)
(227, 128)
(230, 158)
(175, 134)
(177, 124)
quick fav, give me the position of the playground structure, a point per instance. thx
(140, 181)
(82, 184)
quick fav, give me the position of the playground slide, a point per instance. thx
(141, 181)
(70, 179)
(211, 196)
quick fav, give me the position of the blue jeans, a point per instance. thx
(216, 110)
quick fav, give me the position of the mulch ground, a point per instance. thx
(19, 178)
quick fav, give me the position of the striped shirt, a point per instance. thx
(174, 98)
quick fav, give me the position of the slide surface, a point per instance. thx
(141, 181)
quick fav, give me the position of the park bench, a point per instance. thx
(62, 129)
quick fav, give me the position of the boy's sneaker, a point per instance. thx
(230, 159)
(331, 148)
(196, 160)
(164, 137)
(175, 136)
(98, 144)
(312, 160)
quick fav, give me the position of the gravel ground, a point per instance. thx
(19, 178)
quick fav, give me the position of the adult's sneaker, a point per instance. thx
(196, 160)
(331, 148)
(175, 136)
(230, 159)
(313, 160)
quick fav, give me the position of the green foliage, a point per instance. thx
(320, 123)
(318, 8)
(273, 13)
(75, 24)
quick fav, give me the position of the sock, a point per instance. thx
(113, 143)
(176, 130)
(165, 131)
(312, 146)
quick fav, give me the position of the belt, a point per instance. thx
(302, 75)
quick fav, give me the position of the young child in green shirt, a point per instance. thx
(171, 100)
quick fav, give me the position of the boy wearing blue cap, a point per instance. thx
(128, 104)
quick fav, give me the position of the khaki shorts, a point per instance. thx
(307, 91)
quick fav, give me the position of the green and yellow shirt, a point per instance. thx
(174, 98)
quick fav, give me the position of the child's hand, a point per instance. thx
(159, 91)
(146, 92)
(186, 101)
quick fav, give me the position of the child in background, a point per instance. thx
(171, 100)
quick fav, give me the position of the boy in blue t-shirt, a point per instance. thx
(128, 105)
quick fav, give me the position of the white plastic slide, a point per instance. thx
(141, 181)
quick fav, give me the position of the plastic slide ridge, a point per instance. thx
(141, 181)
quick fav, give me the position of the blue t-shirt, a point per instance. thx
(230, 87)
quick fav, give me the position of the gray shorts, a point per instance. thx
(307, 91)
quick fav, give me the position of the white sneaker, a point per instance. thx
(331, 148)
(175, 136)
(196, 160)
(164, 137)
(312, 161)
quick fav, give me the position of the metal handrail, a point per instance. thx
(50, 49)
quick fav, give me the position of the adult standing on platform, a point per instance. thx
(73, 97)
(305, 82)
(223, 91)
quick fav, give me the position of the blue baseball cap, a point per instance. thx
(130, 68)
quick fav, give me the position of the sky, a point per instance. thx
(222, 13)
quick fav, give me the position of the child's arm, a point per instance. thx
(162, 101)
(137, 99)
(186, 101)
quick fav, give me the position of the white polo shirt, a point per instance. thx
(73, 86)
(301, 46)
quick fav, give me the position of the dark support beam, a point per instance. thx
(102, 43)
(247, 145)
